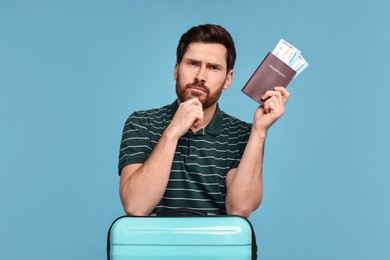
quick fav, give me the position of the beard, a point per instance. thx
(184, 92)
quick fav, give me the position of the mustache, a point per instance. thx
(200, 85)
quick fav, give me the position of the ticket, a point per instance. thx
(286, 52)
(299, 65)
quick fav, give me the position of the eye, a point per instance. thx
(192, 63)
(215, 68)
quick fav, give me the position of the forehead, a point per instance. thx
(212, 52)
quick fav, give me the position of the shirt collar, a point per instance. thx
(215, 125)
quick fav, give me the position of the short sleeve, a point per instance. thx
(135, 145)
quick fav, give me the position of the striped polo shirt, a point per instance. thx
(201, 160)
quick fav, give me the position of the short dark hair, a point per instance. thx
(208, 33)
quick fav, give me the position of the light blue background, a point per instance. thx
(72, 71)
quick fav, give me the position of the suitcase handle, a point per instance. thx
(178, 211)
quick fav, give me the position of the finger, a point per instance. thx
(266, 95)
(198, 119)
(280, 88)
(284, 92)
(197, 123)
(267, 106)
(272, 93)
(191, 105)
(194, 101)
(274, 103)
(197, 113)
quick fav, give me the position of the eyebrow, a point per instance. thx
(212, 64)
(192, 60)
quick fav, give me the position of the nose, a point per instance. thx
(201, 75)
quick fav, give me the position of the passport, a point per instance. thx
(277, 69)
(272, 72)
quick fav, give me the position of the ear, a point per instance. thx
(176, 71)
(229, 79)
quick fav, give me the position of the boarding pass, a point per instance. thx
(290, 55)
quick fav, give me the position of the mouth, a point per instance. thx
(197, 89)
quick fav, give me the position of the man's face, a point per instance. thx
(202, 73)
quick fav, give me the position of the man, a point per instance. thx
(190, 154)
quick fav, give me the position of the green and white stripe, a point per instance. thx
(201, 160)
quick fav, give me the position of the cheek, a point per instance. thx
(184, 76)
(220, 82)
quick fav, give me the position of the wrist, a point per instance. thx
(259, 132)
(170, 135)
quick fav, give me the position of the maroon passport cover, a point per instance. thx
(272, 72)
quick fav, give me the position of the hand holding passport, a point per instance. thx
(277, 69)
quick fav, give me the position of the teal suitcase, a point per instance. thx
(186, 237)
